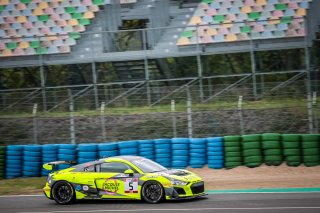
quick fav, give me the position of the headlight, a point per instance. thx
(177, 182)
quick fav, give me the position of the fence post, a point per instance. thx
(240, 114)
(103, 121)
(72, 127)
(189, 115)
(174, 120)
(35, 123)
(314, 104)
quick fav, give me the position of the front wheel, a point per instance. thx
(152, 192)
(63, 193)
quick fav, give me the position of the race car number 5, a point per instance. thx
(131, 185)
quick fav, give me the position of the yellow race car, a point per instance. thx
(121, 177)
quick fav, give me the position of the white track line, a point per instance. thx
(9, 196)
(189, 209)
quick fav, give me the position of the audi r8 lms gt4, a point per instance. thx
(121, 177)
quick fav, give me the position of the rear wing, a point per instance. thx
(51, 166)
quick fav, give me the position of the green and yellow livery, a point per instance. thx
(121, 177)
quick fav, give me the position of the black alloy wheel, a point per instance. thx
(152, 192)
(63, 193)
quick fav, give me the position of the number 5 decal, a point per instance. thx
(131, 185)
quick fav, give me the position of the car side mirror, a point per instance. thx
(129, 172)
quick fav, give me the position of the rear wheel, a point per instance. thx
(152, 192)
(63, 193)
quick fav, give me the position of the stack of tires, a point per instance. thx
(32, 159)
(146, 149)
(87, 152)
(251, 150)
(232, 151)
(2, 161)
(128, 148)
(162, 152)
(272, 150)
(14, 161)
(291, 146)
(66, 152)
(107, 150)
(180, 152)
(215, 154)
(49, 154)
(198, 150)
(310, 149)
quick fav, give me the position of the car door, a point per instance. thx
(112, 182)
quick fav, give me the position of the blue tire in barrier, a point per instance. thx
(180, 158)
(198, 141)
(127, 144)
(215, 149)
(48, 160)
(63, 166)
(197, 161)
(13, 170)
(221, 161)
(218, 153)
(162, 160)
(31, 168)
(180, 152)
(180, 147)
(87, 147)
(32, 148)
(53, 151)
(84, 160)
(198, 155)
(167, 155)
(162, 151)
(66, 157)
(163, 146)
(12, 163)
(162, 141)
(195, 166)
(14, 148)
(108, 153)
(197, 146)
(180, 164)
(128, 151)
(34, 164)
(50, 147)
(146, 149)
(107, 146)
(145, 153)
(215, 157)
(14, 153)
(216, 166)
(67, 151)
(32, 159)
(199, 151)
(31, 154)
(14, 157)
(151, 157)
(180, 140)
(67, 146)
(91, 155)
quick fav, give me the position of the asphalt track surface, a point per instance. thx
(233, 203)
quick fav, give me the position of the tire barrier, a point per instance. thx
(251, 150)
(49, 154)
(310, 149)
(128, 148)
(215, 153)
(67, 152)
(31, 160)
(146, 149)
(180, 152)
(218, 152)
(291, 146)
(232, 151)
(162, 151)
(2, 161)
(87, 152)
(198, 149)
(14, 161)
(107, 150)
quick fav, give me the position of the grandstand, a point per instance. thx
(38, 34)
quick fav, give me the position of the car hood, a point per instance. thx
(180, 174)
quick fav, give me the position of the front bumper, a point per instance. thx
(47, 191)
(190, 191)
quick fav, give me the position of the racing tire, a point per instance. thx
(152, 192)
(63, 193)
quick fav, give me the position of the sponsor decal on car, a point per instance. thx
(111, 186)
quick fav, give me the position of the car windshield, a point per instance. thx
(148, 166)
